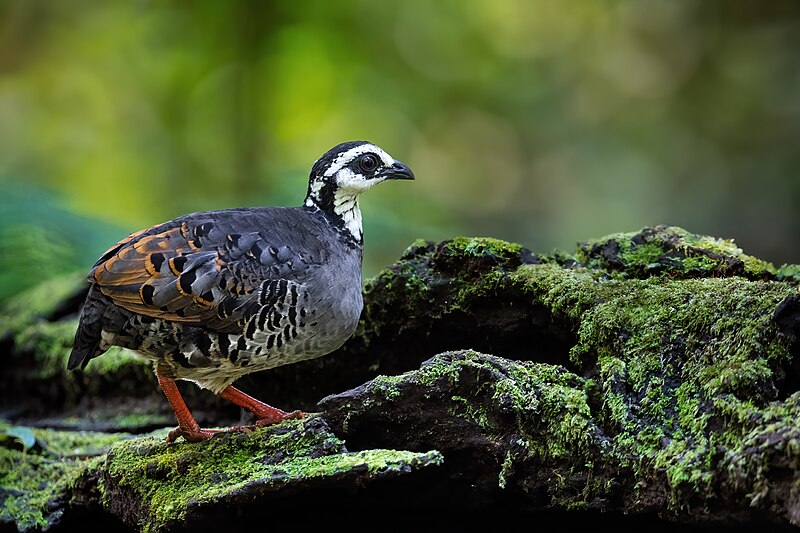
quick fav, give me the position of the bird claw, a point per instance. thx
(201, 435)
(294, 415)
(198, 435)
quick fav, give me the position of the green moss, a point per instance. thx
(645, 256)
(40, 301)
(50, 343)
(567, 293)
(385, 387)
(26, 320)
(673, 252)
(788, 273)
(480, 246)
(467, 408)
(665, 352)
(171, 478)
(564, 407)
(34, 480)
(556, 429)
(549, 403)
(436, 369)
(115, 360)
(727, 248)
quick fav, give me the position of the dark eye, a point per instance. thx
(368, 162)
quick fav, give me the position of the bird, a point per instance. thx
(211, 296)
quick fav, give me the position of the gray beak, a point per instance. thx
(398, 171)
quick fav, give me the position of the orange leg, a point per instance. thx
(188, 427)
(267, 415)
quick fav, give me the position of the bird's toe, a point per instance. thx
(268, 421)
(188, 435)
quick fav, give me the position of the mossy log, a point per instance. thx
(650, 374)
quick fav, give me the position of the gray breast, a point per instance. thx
(306, 311)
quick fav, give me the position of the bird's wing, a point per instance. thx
(213, 269)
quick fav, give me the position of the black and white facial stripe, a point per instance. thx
(343, 173)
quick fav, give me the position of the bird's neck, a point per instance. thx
(341, 207)
(345, 207)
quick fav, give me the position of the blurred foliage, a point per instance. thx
(537, 121)
(40, 240)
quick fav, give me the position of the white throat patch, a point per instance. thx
(345, 204)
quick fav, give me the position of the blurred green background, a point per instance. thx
(542, 122)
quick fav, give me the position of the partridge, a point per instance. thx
(209, 297)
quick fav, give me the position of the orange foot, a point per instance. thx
(267, 415)
(199, 435)
(191, 434)
(275, 418)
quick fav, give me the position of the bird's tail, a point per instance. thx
(87, 337)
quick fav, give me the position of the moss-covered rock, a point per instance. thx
(51, 478)
(155, 486)
(685, 359)
(506, 301)
(673, 252)
(651, 372)
(503, 426)
(548, 438)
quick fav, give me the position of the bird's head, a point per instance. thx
(351, 168)
(347, 170)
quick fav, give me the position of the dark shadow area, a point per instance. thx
(422, 503)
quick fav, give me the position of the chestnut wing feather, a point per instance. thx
(208, 268)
